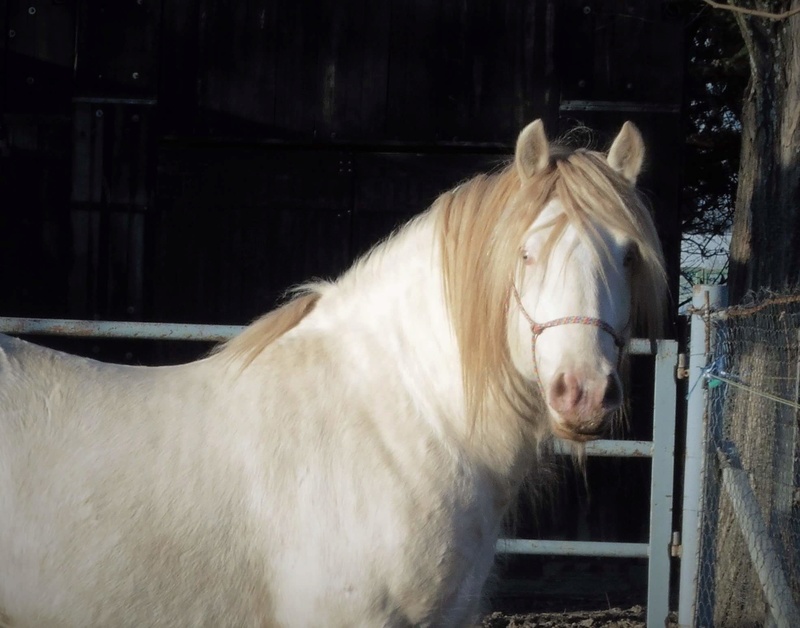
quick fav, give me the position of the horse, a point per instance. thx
(348, 459)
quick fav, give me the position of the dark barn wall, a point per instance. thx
(189, 160)
(356, 71)
(363, 112)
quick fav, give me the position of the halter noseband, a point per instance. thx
(538, 328)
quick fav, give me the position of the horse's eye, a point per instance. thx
(630, 257)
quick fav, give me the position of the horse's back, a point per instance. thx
(34, 379)
(111, 511)
(48, 396)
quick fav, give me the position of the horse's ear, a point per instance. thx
(626, 154)
(533, 153)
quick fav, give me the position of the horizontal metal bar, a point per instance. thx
(118, 329)
(612, 448)
(220, 333)
(641, 346)
(172, 331)
(628, 106)
(572, 548)
(110, 100)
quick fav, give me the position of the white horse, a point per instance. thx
(347, 460)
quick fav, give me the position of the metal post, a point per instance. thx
(661, 485)
(704, 299)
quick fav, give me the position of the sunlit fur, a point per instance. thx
(261, 333)
(346, 461)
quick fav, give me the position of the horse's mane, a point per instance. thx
(483, 223)
(268, 328)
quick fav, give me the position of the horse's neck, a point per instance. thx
(393, 308)
(396, 297)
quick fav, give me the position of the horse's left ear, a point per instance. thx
(627, 152)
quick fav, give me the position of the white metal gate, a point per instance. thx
(661, 449)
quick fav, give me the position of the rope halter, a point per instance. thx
(538, 328)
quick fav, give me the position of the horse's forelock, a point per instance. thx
(589, 187)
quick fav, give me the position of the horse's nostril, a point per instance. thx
(612, 398)
(566, 392)
(577, 398)
(559, 387)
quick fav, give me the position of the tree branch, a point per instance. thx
(754, 12)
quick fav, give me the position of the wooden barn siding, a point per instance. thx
(287, 215)
(621, 51)
(35, 129)
(204, 156)
(358, 70)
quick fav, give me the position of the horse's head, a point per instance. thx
(589, 260)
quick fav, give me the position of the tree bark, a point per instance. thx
(765, 246)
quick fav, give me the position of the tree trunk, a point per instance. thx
(765, 246)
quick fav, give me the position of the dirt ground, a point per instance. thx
(552, 592)
(633, 617)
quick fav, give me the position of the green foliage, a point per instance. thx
(716, 77)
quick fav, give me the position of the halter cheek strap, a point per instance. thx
(538, 328)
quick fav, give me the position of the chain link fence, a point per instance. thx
(749, 570)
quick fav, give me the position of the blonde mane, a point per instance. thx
(268, 328)
(482, 226)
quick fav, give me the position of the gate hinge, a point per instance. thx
(675, 548)
(681, 372)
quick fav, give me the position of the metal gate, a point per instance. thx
(660, 450)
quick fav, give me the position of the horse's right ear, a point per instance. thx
(626, 154)
(533, 153)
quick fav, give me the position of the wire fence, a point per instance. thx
(749, 571)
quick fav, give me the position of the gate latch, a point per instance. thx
(681, 372)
